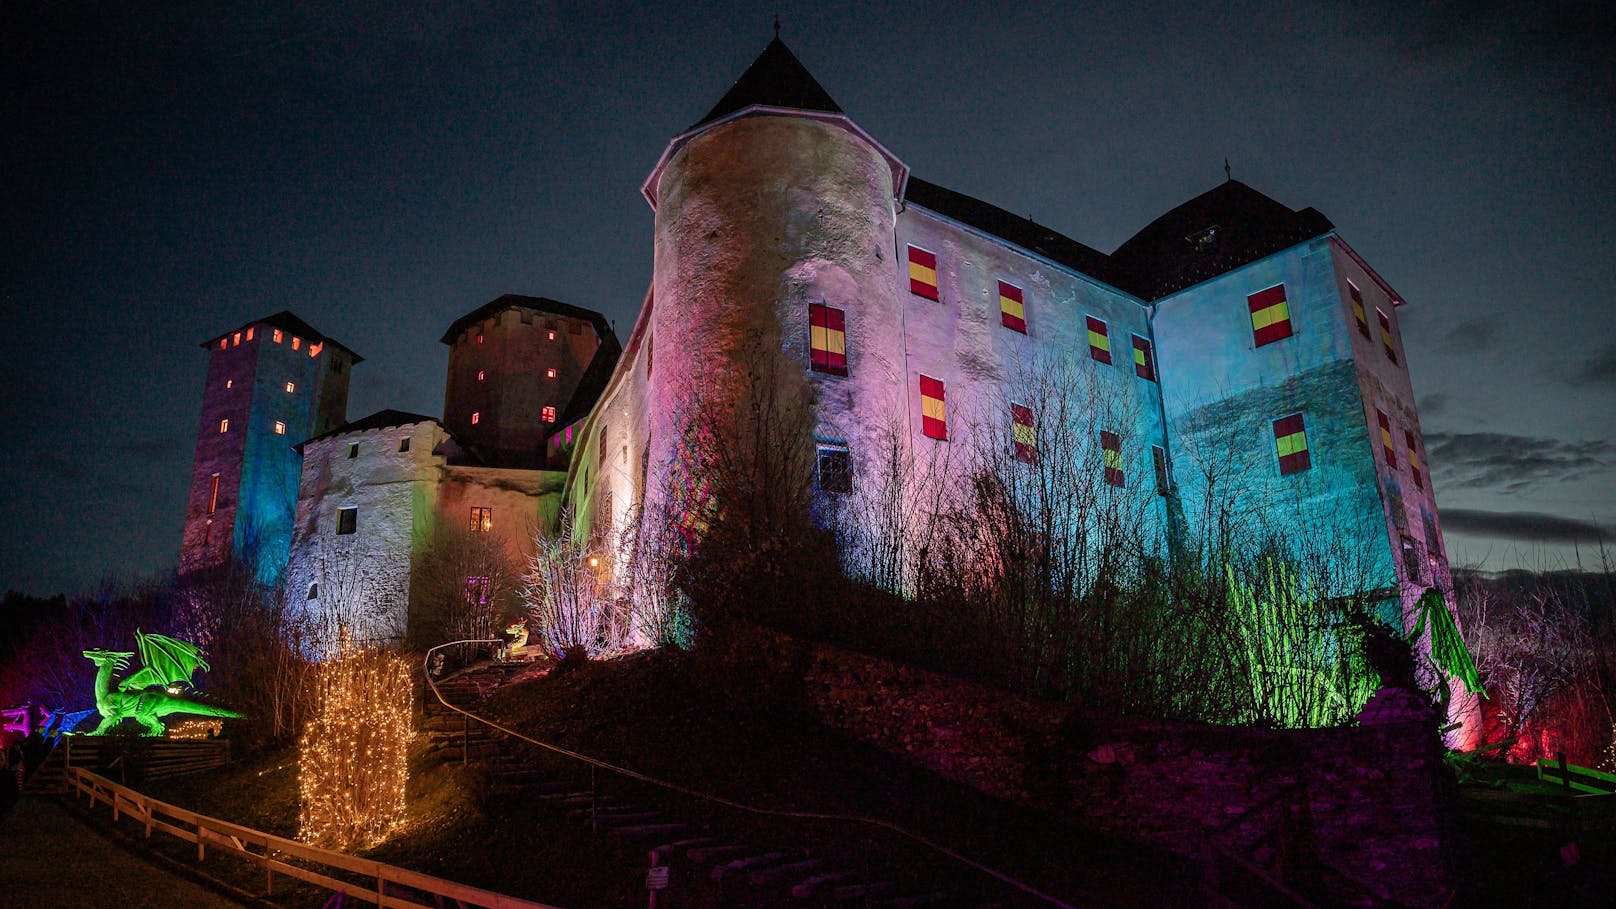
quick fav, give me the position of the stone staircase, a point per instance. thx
(707, 867)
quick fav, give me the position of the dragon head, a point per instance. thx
(118, 658)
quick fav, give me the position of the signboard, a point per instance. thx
(656, 878)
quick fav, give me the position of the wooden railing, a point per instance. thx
(383, 885)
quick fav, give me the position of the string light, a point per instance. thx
(353, 758)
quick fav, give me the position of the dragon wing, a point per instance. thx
(167, 661)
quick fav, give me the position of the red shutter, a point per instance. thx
(1270, 315)
(933, 409)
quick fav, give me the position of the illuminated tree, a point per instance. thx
(353, 755)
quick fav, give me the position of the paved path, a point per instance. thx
(49, 859)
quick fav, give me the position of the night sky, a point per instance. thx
(171, 171)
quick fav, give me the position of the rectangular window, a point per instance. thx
(291, 388)
(1270, 315)
(477, 590)
(1024, 433)
(1012, 309)
(297, 342)
(347, 520)
(250, 332)
(548, 414)
(600, 448)
(353, 450)
(280, 427)
(213, 497)
(314, 349)
(1099, 340)
(1111, 456)
(827, 339)
(1413, 458)
(1290, 442)
(1358, 310)
(1144, 362)
(1386, 438)
(1164, 481)
(933, 409)
(224, 425)
(1433, 540)
(476, 417)
(223, 343)
(482, 519)
(1386, 334)
(481, 375)
(833, 472)
(235, 340)
(229, 383)
(922, 273)
(1413, 559)
(550, 373)
(404, 444)
(551, 333)
(276, 336)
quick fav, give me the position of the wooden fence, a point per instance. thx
(126, 757)
(383, 885)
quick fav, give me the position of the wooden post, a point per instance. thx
(465, 737)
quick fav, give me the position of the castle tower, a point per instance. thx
(271, 384)
(515, 366)
(772, 202)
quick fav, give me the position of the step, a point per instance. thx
(807, 887)
(772, 873)
(661, 854)
(639, 831)
(744, 864)
(704, 854)
(848, 893)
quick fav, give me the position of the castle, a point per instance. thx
(1232, 323)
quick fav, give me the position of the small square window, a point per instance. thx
(353, 450)
(482, 519)
(404, 444)
(923, 273)
(1270, 315)
(347, 520)
(1024, 433)
(476, 417)
(1356, 296)
(235, 340)
(551, 333)
(548, 415)
(1012, 307)
(314, 349)
(280, 427)
(481, 375)
(297, 342)
(224, 425)
(229, 383)
(291, 387)
(249, 333)
(276, 336)
(833, 470)
(1290, 444)
(827, 339)
(479, 337)
(1144, 359)
(224, 342)
(1386, 334)
(1099, 339)
(550, 373)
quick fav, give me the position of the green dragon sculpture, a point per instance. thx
(155, 690)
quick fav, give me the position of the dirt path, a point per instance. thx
(49, 859)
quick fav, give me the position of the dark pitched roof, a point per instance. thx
(603, 329)
(381, 419)
(1215, 232)
(775, 79)
(285, 321)
(1027, 234)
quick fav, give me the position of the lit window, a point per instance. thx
(1012, 309)
(1357, 309)
(404, 444)
(1270, 315)
(1386, 438)
(290, 388)
(1386, 333)
(235, 340)
(548, 415)
(479, 338)
(250, 332)
(1111, 456)
(229, 383)
(223, 343)
(353, 450)
(1164, 480)
(347, 520)
(477, 589)
(550, 373)
(482, 519)
(832, 470)
(1024, 433)
(551, 333)
(280, 428)
(1290, 443)
(213, 497)
(297, 342)
(1099, 340)
(476, 417)
(481, 375)
(933, 409)
(1413, 458)
(1144, 362)
(827, 339)
(314, 349)
(276, 336)
(922, 273)
(224, 425)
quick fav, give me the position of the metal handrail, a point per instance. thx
(1001, 876)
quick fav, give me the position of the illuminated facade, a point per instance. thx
(1232, 331)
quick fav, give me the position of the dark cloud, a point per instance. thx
(1510, 463)
(1434, 404)
(1600, 369)
(1521, 525)
(1469, 336)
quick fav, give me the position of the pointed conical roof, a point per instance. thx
(775, 79)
